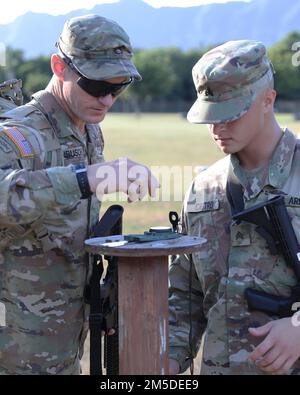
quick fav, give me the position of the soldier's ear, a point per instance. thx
(58, 67)
(269, 100)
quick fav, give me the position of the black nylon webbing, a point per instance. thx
(234, 193)
(234, 190)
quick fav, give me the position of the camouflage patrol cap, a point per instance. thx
(98, 48)
(228, 79)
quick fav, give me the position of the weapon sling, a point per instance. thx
(274, 225)
(110, 224)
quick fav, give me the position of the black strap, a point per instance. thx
(110, 224)
(83, 181)
(96, 317)
(234, 192)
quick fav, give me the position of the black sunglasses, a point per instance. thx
(97, 88)
(102, 88)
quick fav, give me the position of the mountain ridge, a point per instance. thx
(148, 27)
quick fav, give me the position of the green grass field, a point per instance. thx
(157, 140)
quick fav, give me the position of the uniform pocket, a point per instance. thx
(210, 219)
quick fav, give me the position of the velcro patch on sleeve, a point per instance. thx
(20, 141)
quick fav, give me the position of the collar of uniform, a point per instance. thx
(281, 163)
(92, 132)
(274, 174)
(58, 118)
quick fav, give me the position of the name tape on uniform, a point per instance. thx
(209, 205)
(2, 314)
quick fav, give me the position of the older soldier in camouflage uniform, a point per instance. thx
(50, 159)
(234, 83)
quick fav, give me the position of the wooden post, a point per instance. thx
(143, 312)
(143, 299)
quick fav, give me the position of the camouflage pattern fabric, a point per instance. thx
(228, 79)
(44, 223)
(10, 94)
(98, 47)
(234, 258)
(6, 105)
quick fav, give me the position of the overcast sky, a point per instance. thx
(14, 8)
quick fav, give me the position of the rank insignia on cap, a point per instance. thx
(19, 140)
(208, 92)
(118, 51)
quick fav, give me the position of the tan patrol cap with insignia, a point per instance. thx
(227, 80)
(98, 48)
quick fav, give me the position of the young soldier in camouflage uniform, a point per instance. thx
(50, 153)
(234, 83)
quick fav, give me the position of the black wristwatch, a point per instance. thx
(82, 179)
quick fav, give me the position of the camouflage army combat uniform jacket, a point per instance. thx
(43, 225)
(234, 258)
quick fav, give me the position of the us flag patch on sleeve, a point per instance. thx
(19, 140)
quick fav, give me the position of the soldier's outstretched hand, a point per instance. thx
(122, 175)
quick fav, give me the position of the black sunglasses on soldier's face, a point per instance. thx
(97, 88)
(102, 88)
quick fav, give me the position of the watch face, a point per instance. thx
(80, 170)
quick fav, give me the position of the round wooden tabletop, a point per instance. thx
(117, 246)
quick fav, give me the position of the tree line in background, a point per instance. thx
(166, 73)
